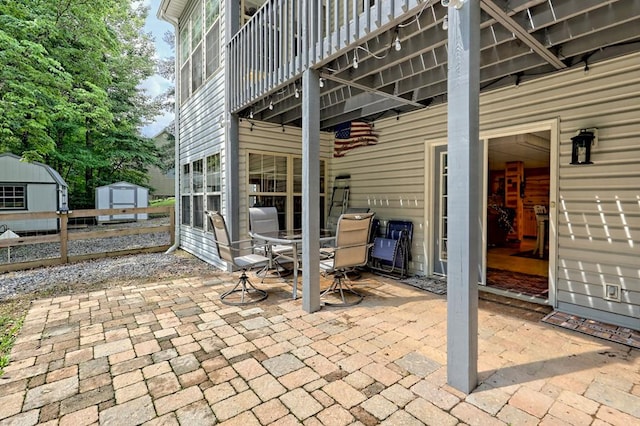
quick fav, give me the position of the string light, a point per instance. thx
(445, 23)
(398, 46)
(270, 104)
(251, 113)
(355, 59)
(296, 93)
(321, 82)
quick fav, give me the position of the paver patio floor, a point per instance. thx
(171, 353)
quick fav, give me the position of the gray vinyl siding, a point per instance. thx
(201, 135)
(598, 214)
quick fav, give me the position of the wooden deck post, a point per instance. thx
(64, 234)
(310, 190)
(463, 188)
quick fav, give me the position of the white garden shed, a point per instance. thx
(30, 187)
(121, 195)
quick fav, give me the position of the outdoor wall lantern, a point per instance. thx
(581, 146)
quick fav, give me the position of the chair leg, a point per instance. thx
(340, 285)
(246, 291)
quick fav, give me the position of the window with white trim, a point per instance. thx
(200, 190)
(185, 194)
(275, 180)
(214, 184)
(197, 194)
(199, 55)
(13, 197)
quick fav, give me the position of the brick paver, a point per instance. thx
(170, 353)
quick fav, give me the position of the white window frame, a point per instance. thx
(196, 183)
(199, 58)
(10, 197)
(288, 194)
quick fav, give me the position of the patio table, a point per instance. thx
(294, 239)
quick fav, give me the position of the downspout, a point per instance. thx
(176, 129)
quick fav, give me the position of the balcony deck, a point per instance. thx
(526, 40)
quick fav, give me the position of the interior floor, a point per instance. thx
(502, 258)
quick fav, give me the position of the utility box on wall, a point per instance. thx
(121, 195)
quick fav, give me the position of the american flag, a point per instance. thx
(352, 135)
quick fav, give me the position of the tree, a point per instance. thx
(69, 89)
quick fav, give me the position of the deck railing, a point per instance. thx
(284, 37)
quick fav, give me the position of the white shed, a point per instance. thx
(121, 195)
(30, 187)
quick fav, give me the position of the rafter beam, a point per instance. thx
(370, 89)
(499, 15)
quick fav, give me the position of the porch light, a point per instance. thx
(452, 3)
(581, 147)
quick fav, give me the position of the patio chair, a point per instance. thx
(244, 290)
(391, 254)
(264, 220)
(352, 250)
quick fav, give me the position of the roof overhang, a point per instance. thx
(171, 10)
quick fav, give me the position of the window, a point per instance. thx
(214, 184)
(271, 184)
(198, 54)
(200, 183)
(13, 197)
(185, 191)
(198, 194)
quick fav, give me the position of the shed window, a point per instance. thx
(13, 197)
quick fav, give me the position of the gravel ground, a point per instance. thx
(101, 273)
(94, 245)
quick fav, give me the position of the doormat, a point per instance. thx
(430, 284)
(613, 333)
(530, 255)
(518, 282)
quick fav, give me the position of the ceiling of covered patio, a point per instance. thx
(521, 40)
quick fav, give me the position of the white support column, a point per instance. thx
(310, 190)
(464, 219)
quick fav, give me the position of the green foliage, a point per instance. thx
(9, 328)
(70, 75)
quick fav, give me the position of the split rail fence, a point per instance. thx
(69, 233)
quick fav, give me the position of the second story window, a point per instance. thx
(199, 46)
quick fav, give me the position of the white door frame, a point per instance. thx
(553, 126)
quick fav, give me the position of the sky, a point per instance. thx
(155, 85)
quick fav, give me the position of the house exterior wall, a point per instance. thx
(202, 134)
(162, 184)
(598, 221)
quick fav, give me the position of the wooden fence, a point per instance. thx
(64, 236)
